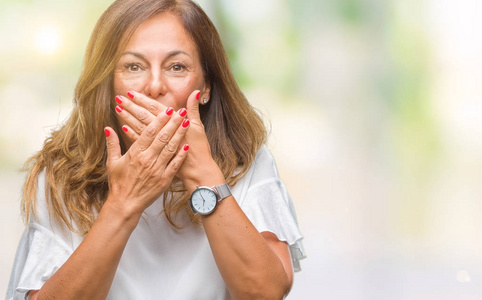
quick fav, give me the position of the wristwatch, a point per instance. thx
(204, 199)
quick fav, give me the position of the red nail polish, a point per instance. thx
(124, 128)
(118, 108)
(130, 94)
(118, 99)
(185, 123)
(186, 147)
(169, 111)
(107, 132)
(182, 112)
(198, 94)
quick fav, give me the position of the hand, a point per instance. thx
(137, 111)
(143, 173)
(140, 110)
(199, 168)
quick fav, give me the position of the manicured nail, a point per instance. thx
(124, 128)
(169, 111)
(198, 94)
(130, 94)
(186, 147)
(182, 112)
(107, 132)
(185, 123)
(118, 99)
(118, 108)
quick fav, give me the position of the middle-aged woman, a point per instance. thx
(180, 199)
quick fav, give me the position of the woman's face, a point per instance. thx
(160, 61)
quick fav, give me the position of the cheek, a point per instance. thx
(122, 84)
(182, 89)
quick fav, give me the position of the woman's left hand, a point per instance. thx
(199, 163)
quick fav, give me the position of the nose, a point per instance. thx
(156, 86)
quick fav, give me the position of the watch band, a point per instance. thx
(223, 191)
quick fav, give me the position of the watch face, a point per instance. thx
(204, 200)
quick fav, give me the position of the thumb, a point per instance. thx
(192, 106)
(113, 146)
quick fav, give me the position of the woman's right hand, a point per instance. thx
(143, 173)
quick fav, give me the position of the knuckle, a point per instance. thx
(143, 162)
(150, 131)
(154, 108)
(110, 144)
(142, 115)
(175, 165)
(163, 137)
(170, 148)
(139, 128)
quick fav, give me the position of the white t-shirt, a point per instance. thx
(160, 262)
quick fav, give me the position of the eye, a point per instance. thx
(133, 67)
(178, 67)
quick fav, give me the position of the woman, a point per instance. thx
(181, 139)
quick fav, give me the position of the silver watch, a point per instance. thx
(204, 199)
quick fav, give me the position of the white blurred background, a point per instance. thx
(376, 116)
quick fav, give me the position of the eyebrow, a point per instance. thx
(169, 55)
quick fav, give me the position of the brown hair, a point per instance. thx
(74, 156)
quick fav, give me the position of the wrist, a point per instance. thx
(210, 175)
(120, 213)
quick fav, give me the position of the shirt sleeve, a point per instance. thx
(42, 250)
(269, 207)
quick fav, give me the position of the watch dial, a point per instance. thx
(204, 201)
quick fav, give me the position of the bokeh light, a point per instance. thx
(48, 40)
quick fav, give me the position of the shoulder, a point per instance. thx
(261, 171)
(264, 166)
(41, 204)
(43, 217)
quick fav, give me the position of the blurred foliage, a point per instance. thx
(415, 137)
(351, 11)
(230, 36)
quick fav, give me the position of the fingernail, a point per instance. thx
(185, 123)
(118, 99)
(118, 108)
(107, 132)
(186, 147)
(182, 112)
(169, 111)
(198, 94)
(124, 128)
(130, 94)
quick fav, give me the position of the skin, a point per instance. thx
(162, 75)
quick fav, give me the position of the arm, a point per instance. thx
(253, 264)
(136, 180)
(89, 272)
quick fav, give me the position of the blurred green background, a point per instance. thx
(376, 118)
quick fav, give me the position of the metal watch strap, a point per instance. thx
(223, 191)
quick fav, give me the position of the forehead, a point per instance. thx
(162, 32)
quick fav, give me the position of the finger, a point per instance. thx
(163, 143)
(193, 106)
(113, 146)
(133, 121)
(152, 130)
(151, 105)
(176, 162)
(173, 145)
(139, 112)
(131, 134)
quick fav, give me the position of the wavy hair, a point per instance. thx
(74, 156)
